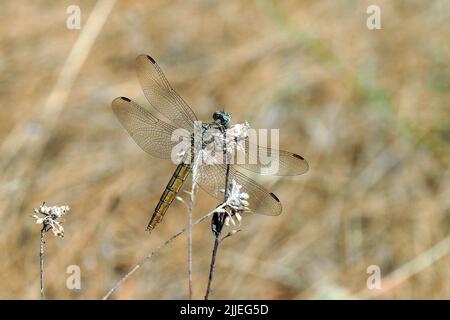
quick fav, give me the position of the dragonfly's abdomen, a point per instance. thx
(169, 194)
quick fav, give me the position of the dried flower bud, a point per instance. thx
(49, 218)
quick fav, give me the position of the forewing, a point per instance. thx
(161, 95)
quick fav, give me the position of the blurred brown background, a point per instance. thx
(368, 109)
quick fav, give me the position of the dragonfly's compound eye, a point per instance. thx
(216, 115)
(223, 117)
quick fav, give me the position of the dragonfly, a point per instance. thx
(152, 129)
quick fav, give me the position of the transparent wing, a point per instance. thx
(288, 163)
(150, 133)
(211, 178)
(160, 94)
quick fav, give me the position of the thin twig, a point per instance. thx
(231, 233)
(151, 254)
(41, 258)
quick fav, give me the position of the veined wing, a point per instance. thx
(289, 164)
(161, 95)
(150, 133)
(211, 178)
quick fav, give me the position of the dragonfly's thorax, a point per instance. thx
(206, 134)
(210, 131)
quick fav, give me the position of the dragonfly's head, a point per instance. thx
(222, 118)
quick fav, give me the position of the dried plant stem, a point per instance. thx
(151, 254)
(190, 212)
(220, 219)
(212, 266)
(41, 261)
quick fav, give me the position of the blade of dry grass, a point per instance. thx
(19, 137)
(409, 269)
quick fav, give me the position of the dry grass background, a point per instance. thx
(368, 109)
